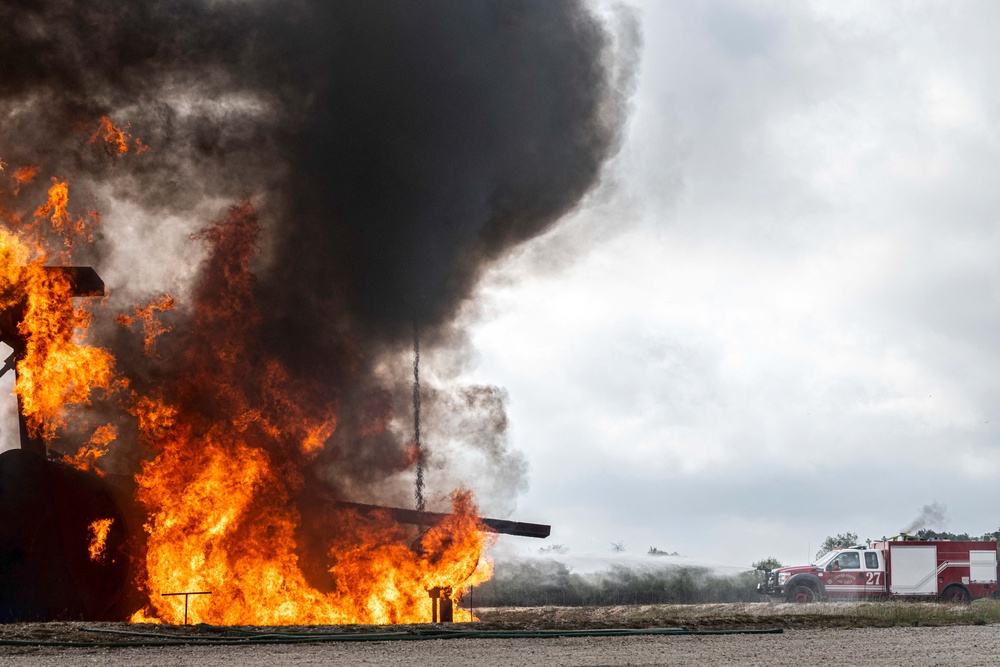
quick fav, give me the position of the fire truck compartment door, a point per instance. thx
(914, 569)
(983, 567)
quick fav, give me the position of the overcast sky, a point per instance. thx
(778, 320)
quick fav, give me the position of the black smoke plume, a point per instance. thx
(933, 516)
(394, 149)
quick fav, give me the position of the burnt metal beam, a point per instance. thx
(83, 280)
(418, 518)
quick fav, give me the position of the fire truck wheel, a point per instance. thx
(802, 594)
(956, 594)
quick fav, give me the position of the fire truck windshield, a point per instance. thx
(826, 558)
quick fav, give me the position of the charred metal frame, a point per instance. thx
(442, 606)
(418, 518)
(186, 594)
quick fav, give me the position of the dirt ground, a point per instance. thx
(802, 642)
(953, 646)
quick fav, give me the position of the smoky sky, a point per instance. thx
(394, 150)
(403, 144)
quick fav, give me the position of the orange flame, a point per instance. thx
(152, 328)
(88, 455)
(55, 207)
(99, 530)
(13, 259)
(62, 223)
(24, 175)
(55, 369)
(155, 417)
(115, 139)
(231, 440)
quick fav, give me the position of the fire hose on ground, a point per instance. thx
(241, 636)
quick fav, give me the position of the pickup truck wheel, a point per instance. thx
(802, 595)
(956, 594)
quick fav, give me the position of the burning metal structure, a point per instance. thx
(204, 430)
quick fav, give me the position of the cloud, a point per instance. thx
(801, 299)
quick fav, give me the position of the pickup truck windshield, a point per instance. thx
(826, 558)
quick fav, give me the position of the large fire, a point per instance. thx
(227, 438)
(55, 369)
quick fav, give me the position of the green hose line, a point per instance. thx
(246, 637)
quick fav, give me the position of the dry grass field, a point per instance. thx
(748, 615)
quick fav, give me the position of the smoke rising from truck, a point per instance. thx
(932, 516)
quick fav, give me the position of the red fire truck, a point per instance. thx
(900, 567)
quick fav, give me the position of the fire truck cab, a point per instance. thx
(945, 570)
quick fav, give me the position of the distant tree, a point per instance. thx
(841, 541)
(769, 563)
(618, 546)
(927, 534)
(554, 549)
(653, 551)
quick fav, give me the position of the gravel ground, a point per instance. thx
(844, 634)
(953, 646)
